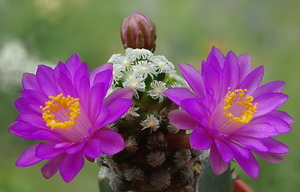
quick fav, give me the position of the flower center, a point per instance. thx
(239, 107)
(61, 112)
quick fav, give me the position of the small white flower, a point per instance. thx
(118, 59)
(118, 72)
(135, 54)
(126, 62)
(151, 122)
(144, 68)
(136, 83)
(131, 114)
(128, 74)
(114, 58)
(158, 87)
(162, 64)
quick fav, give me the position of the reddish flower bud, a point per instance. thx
(138, 31)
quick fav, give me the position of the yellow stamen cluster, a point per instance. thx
(238, 97)
(71, 109)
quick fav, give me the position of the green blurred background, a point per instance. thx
(48, 31)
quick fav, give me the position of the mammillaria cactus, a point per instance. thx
(157, 155)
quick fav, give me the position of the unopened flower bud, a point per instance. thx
(138, 31)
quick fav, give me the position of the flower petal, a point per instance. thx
(249, 142)
(217, 162)
(29, 82)
(22, 129)
(117, 109)
(257, 130)
(47, 151)
(126, 93)
(111, 141)
(96, 98)
(182, 120)
(275, 146)
(27, 157)
(70, 166)
(212, 80)
(200, 139)
(231, 73)
(270, 157)
(178, 94)
(249, 165)
(32, 119)
(101, 118)
(194, 108)
(92, 149)
(23, 106)
(269, 102)
(273, 87)
(44, 76)
(107, 66)
(82, 85)
(193, 77)
(252, 80)
(245, 65)
(280, 125)
(243, 151)
(52, 166)
(34, 99)
(66, 85)
(73, 63)
(76, 147)
(225, 151)
(47, 135)
(218, 54)
(283, 115)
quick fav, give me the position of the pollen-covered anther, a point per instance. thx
(61, 112)
(239, 107)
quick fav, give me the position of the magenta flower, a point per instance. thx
(230, 113)
(67, 108)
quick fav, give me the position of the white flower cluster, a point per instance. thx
(137, 66)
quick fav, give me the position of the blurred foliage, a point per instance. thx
(52, 30)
